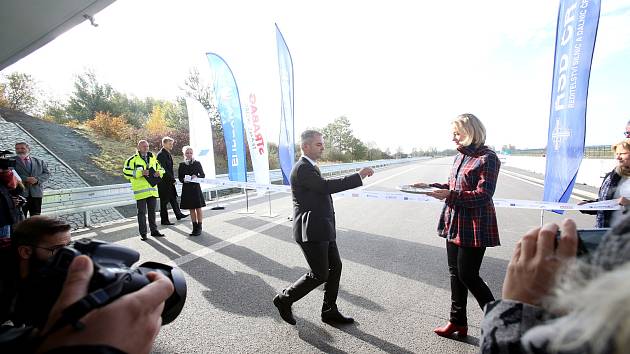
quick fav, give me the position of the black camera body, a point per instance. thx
(588, 240)
(113, 277)
(6, 162)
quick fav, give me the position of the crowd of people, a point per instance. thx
(552, 301)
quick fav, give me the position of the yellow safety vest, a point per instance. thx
(133, 172)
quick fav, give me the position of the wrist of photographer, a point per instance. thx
(130, 323)
(532, 270)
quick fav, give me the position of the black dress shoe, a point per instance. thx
(179, 217)
(333, 316)
(143, 237)
(156, 234)
(166, 223)
(285, 310)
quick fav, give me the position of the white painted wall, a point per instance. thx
(590, 173)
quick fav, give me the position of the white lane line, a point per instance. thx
(230, 241)
(578, 195)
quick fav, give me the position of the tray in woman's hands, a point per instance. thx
(408, 188)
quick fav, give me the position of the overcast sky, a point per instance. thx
(399, 70)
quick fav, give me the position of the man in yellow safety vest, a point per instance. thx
(144, 172)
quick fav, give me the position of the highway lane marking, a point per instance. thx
(579, 195)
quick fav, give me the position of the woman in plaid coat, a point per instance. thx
(468, 220)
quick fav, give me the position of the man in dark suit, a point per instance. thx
(314, 230)
(34, 173)
(166, 187)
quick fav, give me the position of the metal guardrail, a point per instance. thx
(85, 199)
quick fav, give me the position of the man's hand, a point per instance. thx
(130, 323)
(31, 180)
(366, 172)
(145, 172)
(532, 270)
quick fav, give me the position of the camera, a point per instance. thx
(588, 240)
(113, 277)
(6, 162)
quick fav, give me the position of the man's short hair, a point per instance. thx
(142, 141)
(32, 230)
(23, 143)
(166, 139)
(308, 135)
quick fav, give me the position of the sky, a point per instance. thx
(400, 71)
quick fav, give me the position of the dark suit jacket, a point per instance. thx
(38, 169)
(313, 211)
(166, 187)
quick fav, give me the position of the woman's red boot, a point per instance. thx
(450, 328)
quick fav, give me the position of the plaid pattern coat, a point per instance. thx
(468, 218)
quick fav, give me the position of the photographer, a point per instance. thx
(128, 324)
(555, 303)
(10, 195)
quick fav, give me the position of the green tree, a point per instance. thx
(359, 150)
(20, 92)
(338, 135)
(89, 97)
(196, 88)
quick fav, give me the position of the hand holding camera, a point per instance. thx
(130, 323)
(536, 259)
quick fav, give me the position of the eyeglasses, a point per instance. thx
(627, 134)
(53, 249)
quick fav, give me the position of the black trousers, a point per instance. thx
(32, 207)
(144, 204)
(168, 194)
(325, 263)
(463, 266)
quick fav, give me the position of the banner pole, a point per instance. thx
(246, 211)
(542, 217)
(270, 215)
(217, 205)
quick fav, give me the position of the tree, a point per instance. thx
(338, 135)
(359, 150)
(20, 92)
(157, 121)
(89, 97)
(197, 89)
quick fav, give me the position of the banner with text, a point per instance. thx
(286, 145)
(228, 104)
(201, 136)
(575, 42)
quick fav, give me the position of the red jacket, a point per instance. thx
(468, 218)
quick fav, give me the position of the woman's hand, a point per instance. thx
(532, 270)
(440, 194)
(624, 201)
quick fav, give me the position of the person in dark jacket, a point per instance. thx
(166, 187)
(468, 220)
(192, 197)
(11, 201)
(314, 230)
(616, 185)
(555, 303)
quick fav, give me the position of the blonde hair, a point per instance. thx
(186, 148)
(619, 169)
(472, 127)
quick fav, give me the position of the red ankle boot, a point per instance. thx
(450, 328)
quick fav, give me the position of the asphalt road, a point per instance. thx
(394, 282)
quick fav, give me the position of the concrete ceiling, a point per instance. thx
(27, 25)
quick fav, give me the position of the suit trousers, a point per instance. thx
(32, 207)
(463, 266)
(325, 263)
(144, 204)
(168, 195)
